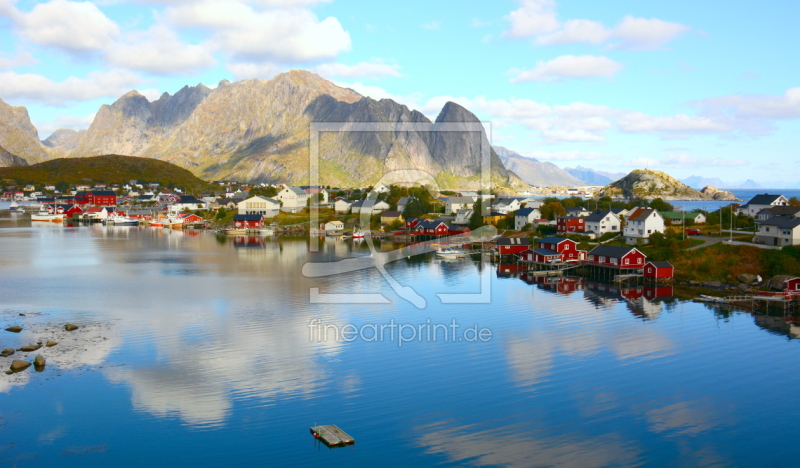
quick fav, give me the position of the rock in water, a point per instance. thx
(29, 348)
(14, 329)
(713, 194)
(7, 352)
(19, 365)
(70, 327)
(39, 361)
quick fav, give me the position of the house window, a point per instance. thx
(627, 261)
(638, 260)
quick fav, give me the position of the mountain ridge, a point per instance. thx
(535, 172)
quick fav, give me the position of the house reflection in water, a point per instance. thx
(248, 241)
(642, 301)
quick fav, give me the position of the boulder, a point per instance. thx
(29, 348)
(777, 282)
(50, 344)
(19, 365)
(744, 287)
(14, 329)
(712, 284)
(7, 352)
(694, 283)
(747, 278)
(70, 327)
(39, 361)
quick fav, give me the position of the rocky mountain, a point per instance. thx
(64, 139)
(594, 177)
(536, 172)
(649, 184)
(259, 130)
(8, 159)
(712, 193)
(18, 135)
(749, 184)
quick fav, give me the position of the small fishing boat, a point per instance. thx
(157, 223)
(236, 231)
(14, 208)
(120, 220)
(47, 214)
(449, 252)
(358, 234)
(266, 232)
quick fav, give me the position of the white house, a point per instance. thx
(259, 205)
(778, 230)
(380, 189)
(313, 190)
(294, 199)
(505, 205)
(760, 202)
(342, 206)
(578, 211)
(187, 202)
(642, 222)
(463, 217)
(601, 222)
(403, 203)
(525, 216)
(334, 226)
(453, 204)
(369, 206)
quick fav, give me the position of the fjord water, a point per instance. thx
(195, 350)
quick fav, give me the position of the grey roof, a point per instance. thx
(789, 222)
(552, 240)
(513, 241)
(297, 190)
(546, 252)
(763, 199)
(597, 215)
(662, 264)
(469, 200)
(613, 251)
(576, 209)
(783, 210)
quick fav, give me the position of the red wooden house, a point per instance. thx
(570, 224)
(513, 245)
(411, 223)
(554, 249)
(432, 227)
(613, 256)
(252, 221)
(658, 270)
(96, 198)
(189, 218)
(792, 284)
(69, 210)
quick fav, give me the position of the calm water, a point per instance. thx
(193, 351)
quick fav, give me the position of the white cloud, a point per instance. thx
(577, 31)
(158, 50)
(756, 106)
(570, 66)
(359, 70)
(570, 135)
(37, 88)
(642, 33)
(637, 122)
(73, 26)
(288, 35)
(19, 60)
(686, 161)
(538, 19)
(565, 156)
(247, 70)
(643, 162)
(532, 18)
(432, 26)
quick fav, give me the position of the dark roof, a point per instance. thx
(763, 199)
(546, 252)
(783, 210)
(664, 264)
(553, 240)
(102, 193)
(576, 209)
(513, 241)
(790, 222)
(617, 211)
(597, 215)
(391, 214)
(252, 217)
(613, 251)
(525, 211)
(572, 217)
(189, 199)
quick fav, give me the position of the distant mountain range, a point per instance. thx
(259, 131)
(594, 177)
(536, 172)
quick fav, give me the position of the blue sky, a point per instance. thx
(692, 88)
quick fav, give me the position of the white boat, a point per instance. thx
(14, 207)
(120, 220)
(47, 214)
(266, 232)
(358, 234)
(172, 221)
(236, 231)
(449, 252)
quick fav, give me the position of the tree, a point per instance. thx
(414, 209)
(794, 201)
(660, 205)
(476, 220)
(552, 210)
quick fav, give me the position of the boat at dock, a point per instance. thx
(14, 208)
(449, 252)
(358, 234)
(332, 436)
(235, 231)
(47, 214)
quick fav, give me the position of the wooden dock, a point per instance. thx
(332, 436)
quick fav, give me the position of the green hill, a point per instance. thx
(108, 169)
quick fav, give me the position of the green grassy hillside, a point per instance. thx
(108, 169)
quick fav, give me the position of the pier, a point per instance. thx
(332, 436)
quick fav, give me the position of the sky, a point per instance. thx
(707, 88)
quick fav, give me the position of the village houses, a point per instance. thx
(294, 199)
(641, 224)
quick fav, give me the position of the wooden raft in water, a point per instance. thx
(332, 436)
